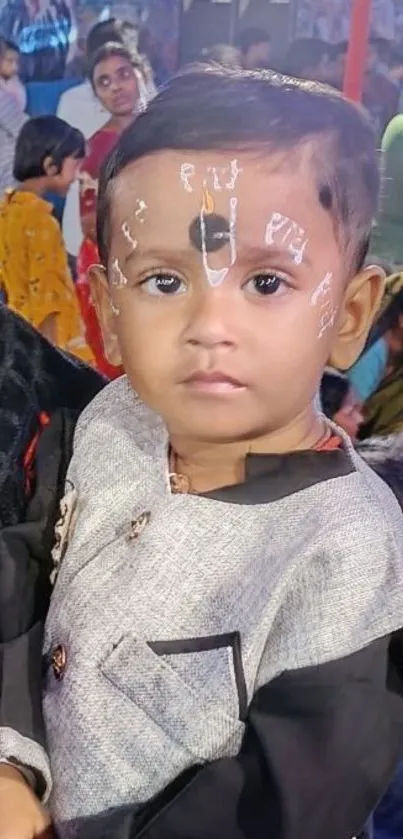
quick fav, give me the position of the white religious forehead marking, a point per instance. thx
(322, 289)
(141, 207)
(128, 236)
(118, 278)
(216, 276)
(283, 232)
(221, 173)
(328, 317)
(188, 170)
(223, 177)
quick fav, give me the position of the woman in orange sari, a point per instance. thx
(117, 83)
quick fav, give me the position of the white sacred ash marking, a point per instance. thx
(322, 289)
(327, 318)
(118, 278)
(222, 171)
(220, 174)
(188, 170)
(216, 276)
(284, 232)
(128, 236)
(141, 208)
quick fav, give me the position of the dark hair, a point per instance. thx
(304, 53)
(43, 137)
(6, 46)
(218, 108)
(338, 49)
(250, 37)
(333, 390)
(110, 50)
(102, 33)
(225, 55)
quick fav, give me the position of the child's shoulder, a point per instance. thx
(117, 411)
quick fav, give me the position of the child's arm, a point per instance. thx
(318, 742)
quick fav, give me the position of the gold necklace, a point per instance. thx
(179, 482)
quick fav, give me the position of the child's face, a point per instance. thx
(68, 173)
(227, 291)
(9, 64)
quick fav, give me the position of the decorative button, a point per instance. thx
(179, 483)
(138, 525)
(59, 661)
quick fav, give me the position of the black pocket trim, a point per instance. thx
(202, 645)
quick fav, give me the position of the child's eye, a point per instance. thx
(164, 284)
(267, 283)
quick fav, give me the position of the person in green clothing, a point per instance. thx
(387, 239)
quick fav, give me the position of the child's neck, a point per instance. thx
(210, 466)
(38, 186)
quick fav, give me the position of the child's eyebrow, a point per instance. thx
(246, 254)
(260, 253)
(158, 254)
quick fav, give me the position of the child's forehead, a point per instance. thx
(170, 188)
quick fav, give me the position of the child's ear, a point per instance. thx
(107, 315)
(361, 301)
(49, 167)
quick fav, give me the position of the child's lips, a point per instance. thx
(214, 382)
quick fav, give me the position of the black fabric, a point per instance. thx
(320, 747)
(270, 477)
(34, 377)
(25, 566)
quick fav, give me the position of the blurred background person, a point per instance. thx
(12, 120)
(114, 76)
(307, 58)
(81, 108)
(34, 274)
(9, 72)
(340, 403)
(255, 47)
(225, 55)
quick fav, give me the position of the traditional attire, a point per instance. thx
(100, 145)
(35, 280)
(216, 651)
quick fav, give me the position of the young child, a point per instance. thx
(9, 78)
(222, 654)
(34, 276)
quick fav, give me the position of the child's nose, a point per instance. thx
(211, 322)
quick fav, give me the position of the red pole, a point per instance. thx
(357, 49)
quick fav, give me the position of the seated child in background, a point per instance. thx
(222, 651)
(9, 66)
(34, 276)
(340, 402)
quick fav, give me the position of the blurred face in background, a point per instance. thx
(258, 55)
(9, 64)
(116, 86)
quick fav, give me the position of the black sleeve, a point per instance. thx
(319, 750)
(25, 566)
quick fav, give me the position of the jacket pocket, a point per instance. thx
(189, 688)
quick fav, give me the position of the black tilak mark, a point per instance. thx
(217, 233)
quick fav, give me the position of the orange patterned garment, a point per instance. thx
(35, 280)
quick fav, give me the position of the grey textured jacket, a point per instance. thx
(174, 615)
